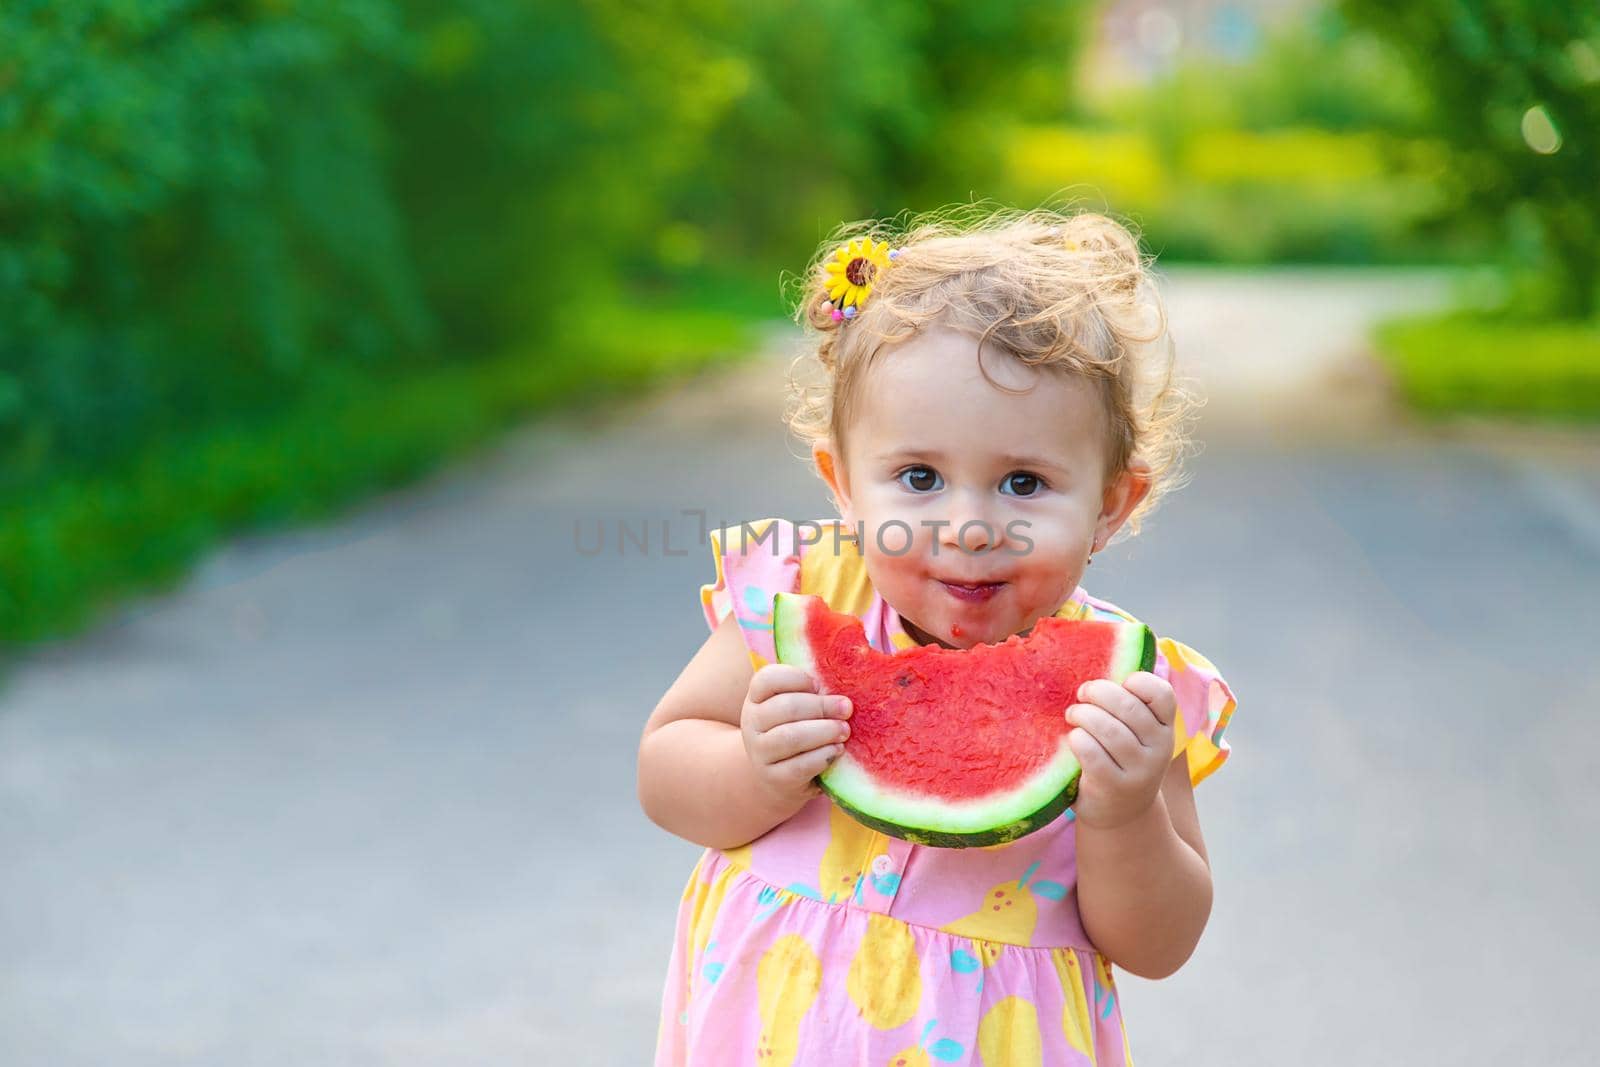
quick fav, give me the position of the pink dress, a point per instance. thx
(825, 943)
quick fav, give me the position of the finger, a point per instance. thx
(1092, 755)
(1114, 735)
(1156, 692)
(793, 738)
(800, 769)
(774, 678)
(1126, 707)
(798, 707)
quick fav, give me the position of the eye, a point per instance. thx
(920, 477)
(1023, 483)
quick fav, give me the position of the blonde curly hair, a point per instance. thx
(1069, 292)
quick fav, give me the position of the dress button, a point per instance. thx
(882, 865)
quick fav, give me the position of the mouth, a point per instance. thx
(973, 592)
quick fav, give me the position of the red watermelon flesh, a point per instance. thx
(956, 747)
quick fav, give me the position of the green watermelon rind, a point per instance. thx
(789, 631)
(993, 821)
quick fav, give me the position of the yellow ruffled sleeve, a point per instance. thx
(754, 560)
(1205, 704)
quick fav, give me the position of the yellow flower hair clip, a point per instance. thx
(851, 272)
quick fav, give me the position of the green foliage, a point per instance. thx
(1513, 86)
(194, 218)
(1313, 71)
(1289, 194)
(258, 256)
(790, 117)
(1495, 364)
(207, 209)
(1312, 150)
(509, 142)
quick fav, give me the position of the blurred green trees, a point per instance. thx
(195, 217)
(258, 257)
(208, 209)
(217, 216)
(1513, 86)
(1309, 148)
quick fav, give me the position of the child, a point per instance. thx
(996, 403)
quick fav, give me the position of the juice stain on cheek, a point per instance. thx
(955, 631)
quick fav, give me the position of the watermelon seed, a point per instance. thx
(904, 679)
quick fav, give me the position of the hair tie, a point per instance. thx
(850, 273)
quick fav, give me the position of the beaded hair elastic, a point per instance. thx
(850, 273)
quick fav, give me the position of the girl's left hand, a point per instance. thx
(1124, 741)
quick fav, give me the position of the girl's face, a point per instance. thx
(957, 483)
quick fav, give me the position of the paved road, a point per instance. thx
(364, 794)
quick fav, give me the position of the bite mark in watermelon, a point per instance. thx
(956, 747)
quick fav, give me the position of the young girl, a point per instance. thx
(996, 403)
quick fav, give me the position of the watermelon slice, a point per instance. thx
(956, 747)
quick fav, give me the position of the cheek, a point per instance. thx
(1055, 538)
(891, 549)
(875, 507)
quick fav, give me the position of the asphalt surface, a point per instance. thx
(364, 793)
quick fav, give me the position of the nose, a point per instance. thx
(971, 526)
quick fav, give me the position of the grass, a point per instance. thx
(75, 545)
(1463, 362)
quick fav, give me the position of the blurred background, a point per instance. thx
(323, 327)
(258, 258)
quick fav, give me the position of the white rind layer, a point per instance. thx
(1128, 654)
(941, 815)
(789, 633)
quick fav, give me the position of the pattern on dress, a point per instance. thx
(825, 942)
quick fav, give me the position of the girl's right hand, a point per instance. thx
(791, 732)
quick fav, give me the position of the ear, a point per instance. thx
(831, 466)
(1122, 496)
